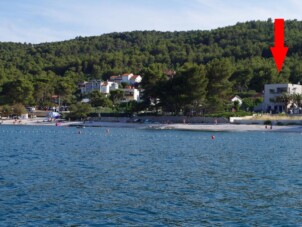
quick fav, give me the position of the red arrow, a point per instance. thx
(279, 51)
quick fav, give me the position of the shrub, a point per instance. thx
(19, 109)
(267, 122)
(6, 110)
(79, 111)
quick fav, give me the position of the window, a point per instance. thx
(281, 90)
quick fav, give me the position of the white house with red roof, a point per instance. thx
(135, 79)
(127, 78)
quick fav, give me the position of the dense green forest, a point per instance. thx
(31, 74)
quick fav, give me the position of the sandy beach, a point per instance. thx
(189, 127)
(227, 127)
(38, 122)
(45, 122)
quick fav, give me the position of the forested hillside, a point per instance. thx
(56, 68)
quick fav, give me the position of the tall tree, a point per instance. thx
(152, 81)
(43, 89)
(219, 87)
(18, 91)
(187, 90)
(99, 99)
(241, 79)
(79, 111)
(116, 95)
(65, 88)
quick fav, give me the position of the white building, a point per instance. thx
(108, 86)
(135, 79)
(117, 79)
(130, 94)
(127, 78)
(87, 87)
(98, 85)
(273, 91)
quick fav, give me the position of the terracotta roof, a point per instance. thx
(169, 72)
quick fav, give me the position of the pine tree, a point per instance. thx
(219, 86)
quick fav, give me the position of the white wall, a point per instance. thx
(272, 91)
(126, 78)
(131, 94)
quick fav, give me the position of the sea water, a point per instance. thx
(52, 176)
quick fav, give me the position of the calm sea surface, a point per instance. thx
(52, 176)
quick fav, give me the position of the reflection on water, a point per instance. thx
(55, 176)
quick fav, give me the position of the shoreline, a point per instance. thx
(227, 128)
(183, 127)
(36, 122)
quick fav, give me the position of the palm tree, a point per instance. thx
(297, 99)
(285, 99)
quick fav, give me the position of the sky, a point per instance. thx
(37, 21)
